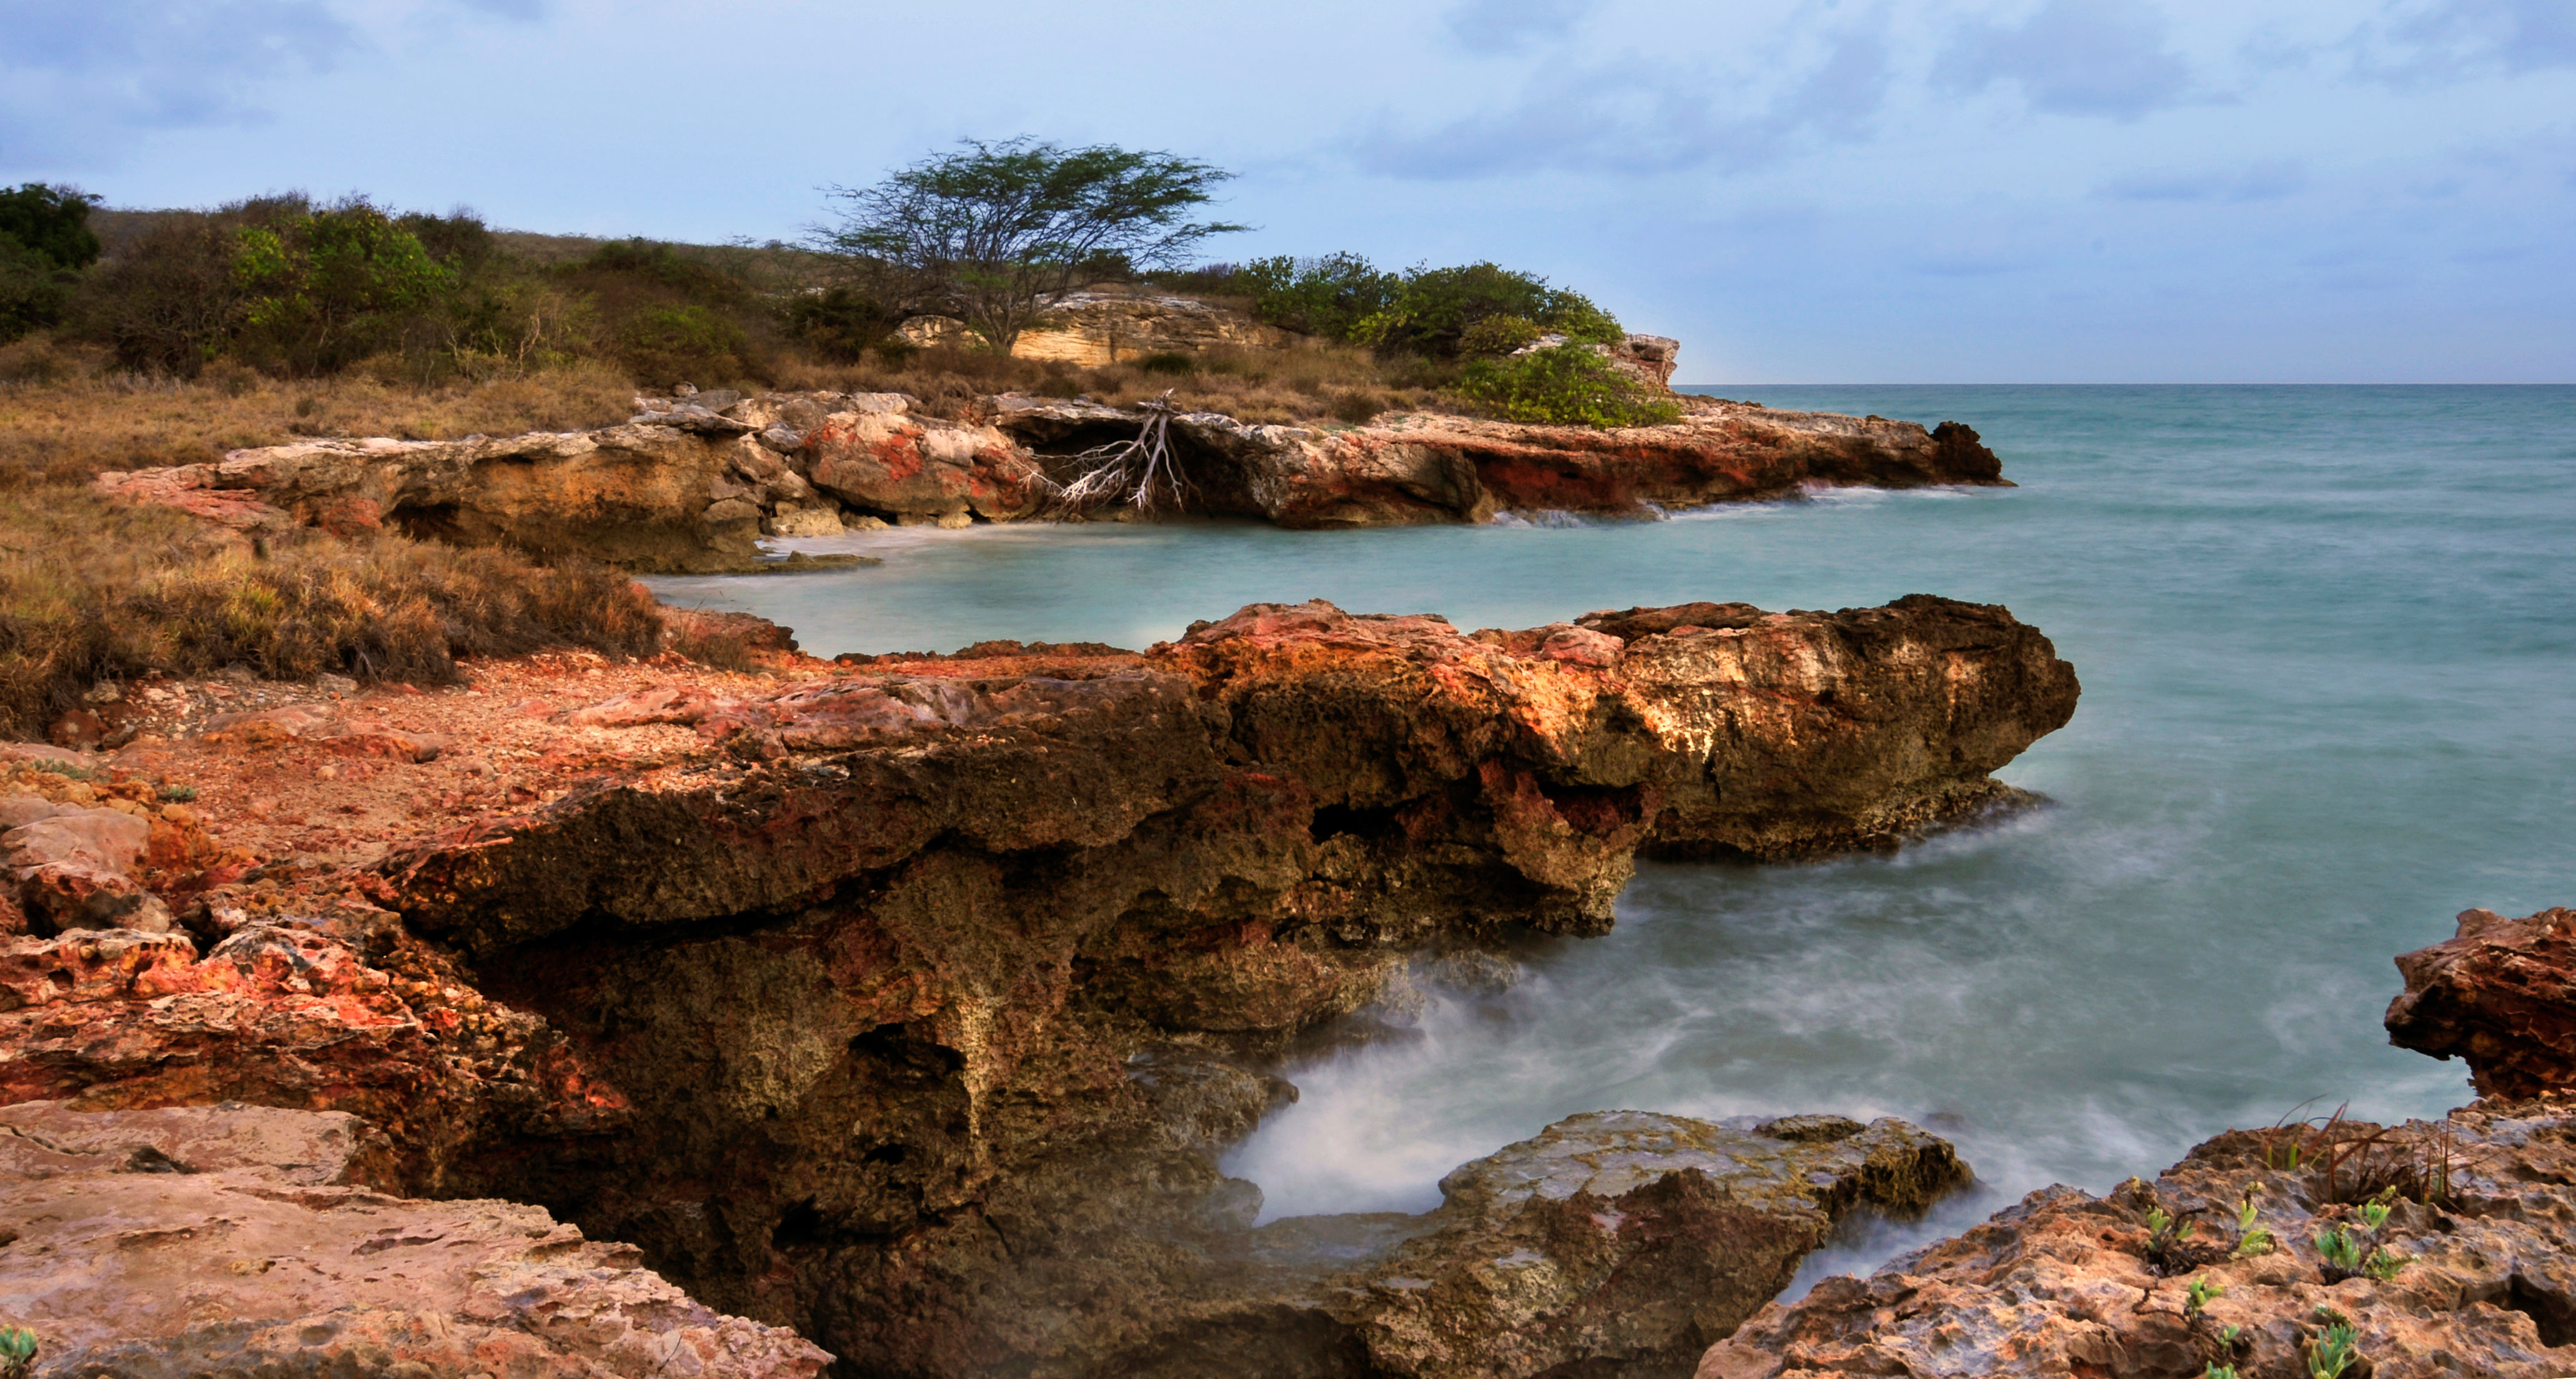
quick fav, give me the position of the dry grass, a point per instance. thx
(1309, 384)
(69, 426)
(95, 590)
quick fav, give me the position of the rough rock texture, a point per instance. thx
(653, 497)
(1616, 1241)
(2502, 995)
(1432, 468)
(1109, 323)
(2064, 1282)
(241, 1240)
(907, 1005)
(693, 481)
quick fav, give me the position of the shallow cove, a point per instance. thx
(2326, 640)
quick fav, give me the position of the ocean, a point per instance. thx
(2327, 637)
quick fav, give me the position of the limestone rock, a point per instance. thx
(1112, 323)
(2502, 994)
(241, 1240)
(1435, 468)
(896, 465)
(2065, 1282)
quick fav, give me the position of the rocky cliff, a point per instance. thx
(692, 482)
(2502, 994)
(908, 1004)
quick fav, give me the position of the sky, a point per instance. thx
(1812, 191)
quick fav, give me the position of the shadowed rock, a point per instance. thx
(2502, 994)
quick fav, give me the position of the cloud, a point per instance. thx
(1504, 26)
(2449, 38)
(1633, 117)
(76, 81)
(2254, 182)
(2074, 57)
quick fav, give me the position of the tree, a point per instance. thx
(45, 241)
(989, 232)
(328, 288)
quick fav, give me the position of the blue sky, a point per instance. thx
(1827, 191)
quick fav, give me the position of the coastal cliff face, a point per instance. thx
(908, 1004)
(693, 482)
(1425, 468)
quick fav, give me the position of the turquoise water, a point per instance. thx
(2326, 637)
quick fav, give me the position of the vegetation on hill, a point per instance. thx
(140, 338)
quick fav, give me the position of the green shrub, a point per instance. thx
(17, 1352)
(1568, 385)
(1436, 307)
(169, 302)
(1179, 362)
(332, 286)
(838, 323)
(1497, 335)
(1327, 296)
(669, 344)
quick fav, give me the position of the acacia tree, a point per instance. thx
(989, 232)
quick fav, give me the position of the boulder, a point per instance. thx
(2502, 994)
(897, 465)
(2478, 1278)
(242, 1239)
(79, 868)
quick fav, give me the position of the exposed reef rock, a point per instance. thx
(1427, 467)
(693, 481)
(1612, 1242)
(2484, 1281)
(2501, 995)
(908, 1005)
(241, 1240)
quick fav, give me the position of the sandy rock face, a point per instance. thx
(2069, 1283)
(240, 1239)
(1112, 323)
(2501, 995)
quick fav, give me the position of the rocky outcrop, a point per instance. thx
(1649, 359)
(2502, 994)
(2469, 1273)
(1616, 1241)
(908, 1005)
(248, 1240)
(694, 480)
(1427, 468)
(1113, 323)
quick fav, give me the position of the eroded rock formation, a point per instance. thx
(1428, 467)
(2478, 1276)
(2502, 994)
(907, 1004)
(693, 481)
(1113, 323)
(242, 1240)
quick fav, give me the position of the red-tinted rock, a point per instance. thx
(2502, 994)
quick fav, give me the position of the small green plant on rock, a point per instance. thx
(2251, 1237)
(17, 1352)
(2334, 1349)
(2196, 1298)
(2217, 1371)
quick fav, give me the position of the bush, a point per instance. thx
(1436, 307)
(1568, 385)
(663, 345)
(170, 303)
(1169, 362)
(1327, 296)
(1497, 335)
(838, 323)
(331, 287)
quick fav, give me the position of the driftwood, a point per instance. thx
(1143, 472)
